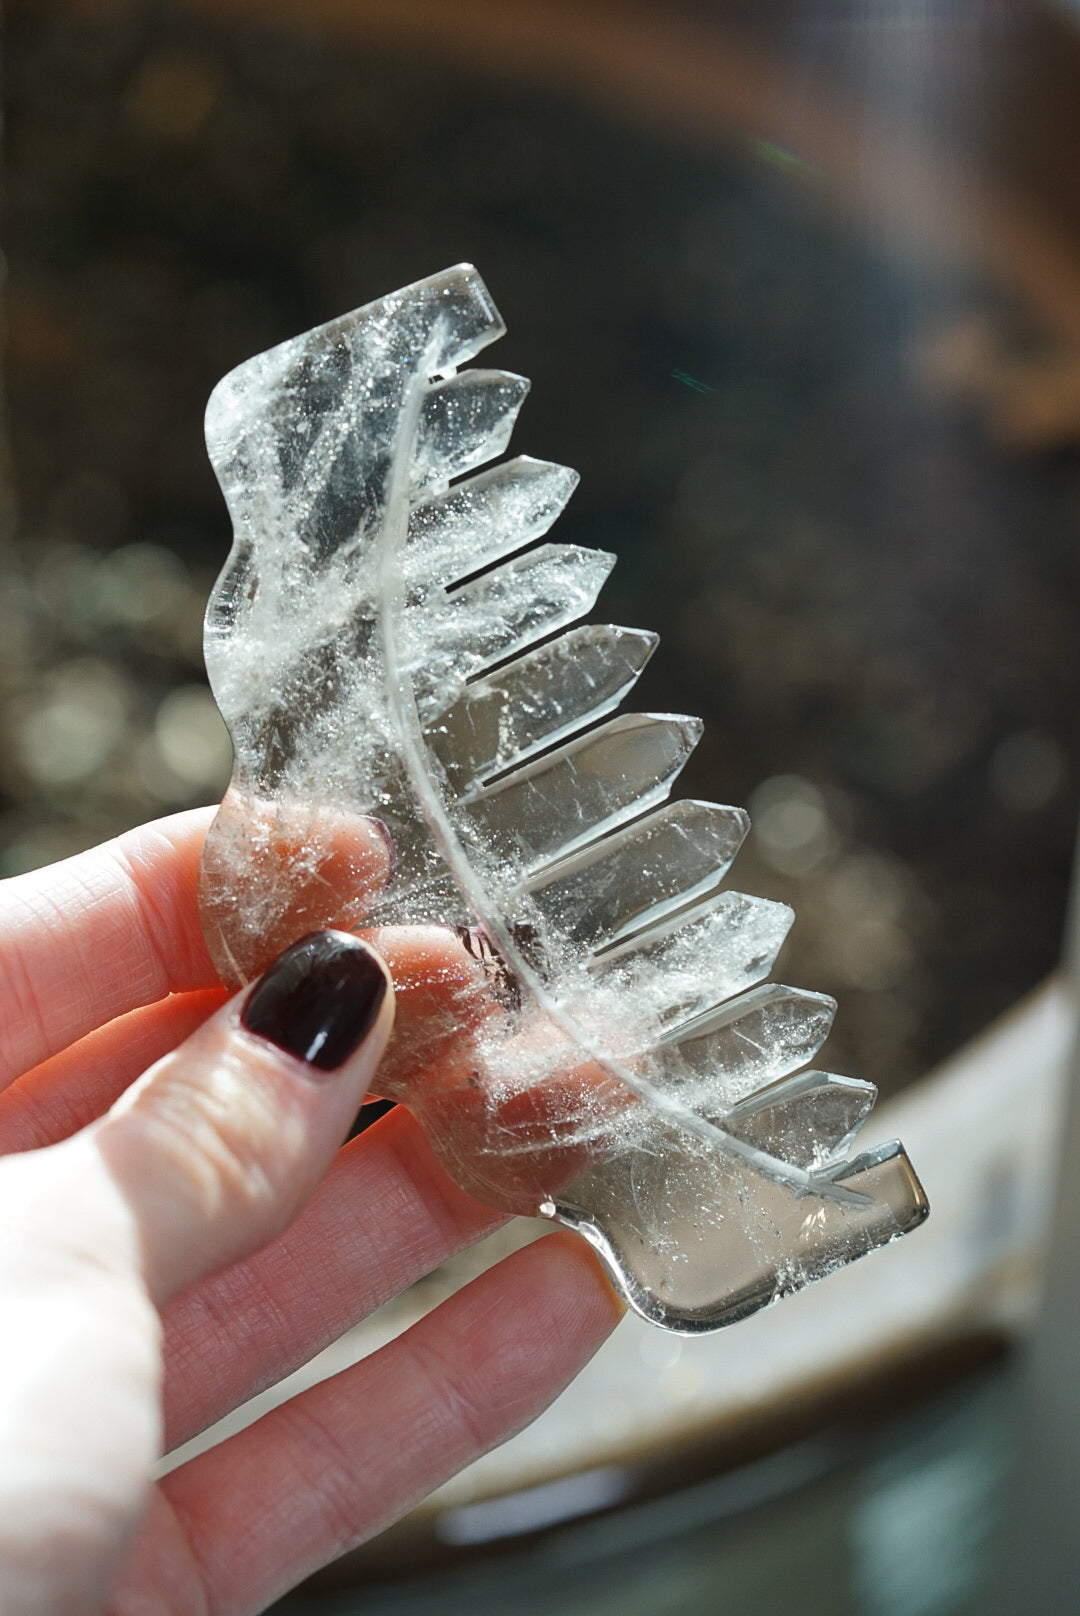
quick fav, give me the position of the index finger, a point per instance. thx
(95, 936)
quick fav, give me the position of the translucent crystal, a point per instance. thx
(502, 720)
(811, 1118)
(502, 613)
(640, 874)
(696, 961)
(564, 801)
(484, 518)
(386, 640)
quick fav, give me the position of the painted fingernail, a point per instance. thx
(391, 846)
(319, 999)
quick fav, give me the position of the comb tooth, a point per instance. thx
(640, 874)
(484, 518)
(464, 422)
(698, 959)
(809, 1119)
(550, 694)
(502, 613)
(550, 808)
(729, 1052)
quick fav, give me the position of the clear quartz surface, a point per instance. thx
(389, 637)
(503, 612)
(478, 522)
(689, 965)
(640, 874)
(502, 720)
(562, 802)
(813, 1116)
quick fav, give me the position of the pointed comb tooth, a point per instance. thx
(543, 698)
(641, 874)
(464, 422)
(502, 613)
(810, 1119)
(698, 959)
(551, 808)
(729, 1052)
(486, 517)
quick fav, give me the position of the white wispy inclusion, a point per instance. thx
(393, 634)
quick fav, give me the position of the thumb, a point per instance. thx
(218, 1145)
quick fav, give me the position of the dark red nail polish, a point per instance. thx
(319, 999)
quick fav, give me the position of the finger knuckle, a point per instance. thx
(224, 1137)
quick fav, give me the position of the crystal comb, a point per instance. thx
(394, 635)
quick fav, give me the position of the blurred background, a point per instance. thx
(797, 283)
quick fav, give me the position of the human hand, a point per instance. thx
(170, 1248)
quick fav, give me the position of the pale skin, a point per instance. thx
(171, 1244)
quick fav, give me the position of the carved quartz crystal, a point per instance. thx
(389, 638)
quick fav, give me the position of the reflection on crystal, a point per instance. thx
(465, 422)
(677, 1216)
(501, 720)
(741, 1046)
(382, 641)
(693, 962)
(505, 611)
(638, 875)
(484, 518)
(810, 1119)
(553, 807)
